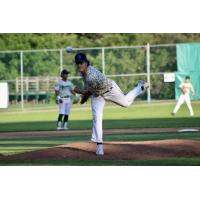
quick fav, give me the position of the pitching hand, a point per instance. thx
(84, 99)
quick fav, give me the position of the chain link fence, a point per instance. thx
(31, 75)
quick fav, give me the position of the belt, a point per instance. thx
(66, 97)
(108, 90)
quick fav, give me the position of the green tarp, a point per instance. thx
(188, 62)
(188, 57)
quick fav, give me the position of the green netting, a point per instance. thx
(188, 62)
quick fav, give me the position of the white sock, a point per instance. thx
(65, 125)
(59, 124)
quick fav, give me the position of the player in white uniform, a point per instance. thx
(102, 89)
(185, 87)
(63, 91)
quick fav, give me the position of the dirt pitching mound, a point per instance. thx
(115, 151)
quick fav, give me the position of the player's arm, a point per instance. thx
(58, 98)
(56, 93)
(182, 88)
(192, 90)
(74, 93)
(83, 92)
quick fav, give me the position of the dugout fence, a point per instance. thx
(31, 74)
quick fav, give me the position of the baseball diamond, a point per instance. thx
(73, 104)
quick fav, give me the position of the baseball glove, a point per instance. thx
(76, 99)
(84, 99)
(58, 100)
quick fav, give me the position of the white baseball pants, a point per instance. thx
(64, 107)
(97, 105)
(184, 98)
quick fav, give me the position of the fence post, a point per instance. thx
(61, 60)
(148, 73)
(103, 60)
(22, 79)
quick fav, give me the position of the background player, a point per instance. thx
(63, 91)
(185, 87)
(102, 89)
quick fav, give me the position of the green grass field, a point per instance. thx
(137, 116)
(140, 115)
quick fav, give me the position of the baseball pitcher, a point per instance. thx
(102, 89)
(63, 91)
(185, 87)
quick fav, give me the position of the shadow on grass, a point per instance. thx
(164, 162)
(107, 124)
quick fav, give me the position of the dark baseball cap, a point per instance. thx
(80, 57)
(187, 77)
(64, 71)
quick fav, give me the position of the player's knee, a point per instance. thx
(125, 104)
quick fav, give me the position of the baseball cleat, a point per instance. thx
(59, 126)
(144, 85)
(99, 150)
